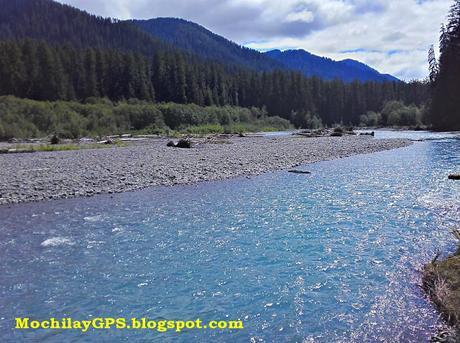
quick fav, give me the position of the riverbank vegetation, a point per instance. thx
(28, 148)
(22, 118)
(441, 280)
(396, 114)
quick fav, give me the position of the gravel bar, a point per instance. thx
(64, 174)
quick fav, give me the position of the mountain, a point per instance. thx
(56, 24)
(198, 40)
(311, 65)
(368, 70)
(60, 24)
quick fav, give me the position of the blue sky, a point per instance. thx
(392, 36)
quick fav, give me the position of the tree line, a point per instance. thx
(37, 70)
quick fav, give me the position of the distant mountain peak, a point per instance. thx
(309, 64)
(200, 41)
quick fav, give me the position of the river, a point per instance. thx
(327, 257)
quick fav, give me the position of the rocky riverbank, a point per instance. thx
(63, 174)
(441, 281)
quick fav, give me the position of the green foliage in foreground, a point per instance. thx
(23, 118)
(441, 280)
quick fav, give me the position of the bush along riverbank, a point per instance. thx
(441, 281)
(24, 118)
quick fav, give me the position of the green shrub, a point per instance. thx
(204, 129)
(23, 118)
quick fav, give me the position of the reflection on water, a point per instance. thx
(332, 256)
(414, 135)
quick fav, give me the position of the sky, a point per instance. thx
(392, 36)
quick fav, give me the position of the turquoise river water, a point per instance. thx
(328, 257)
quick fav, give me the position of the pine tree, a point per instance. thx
(48, 77)
(433, 65)
(91, 81)
(445, 80)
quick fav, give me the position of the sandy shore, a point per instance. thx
(64, 174)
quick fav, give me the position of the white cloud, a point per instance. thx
(305, 16)
(394, 41)
(392, 36)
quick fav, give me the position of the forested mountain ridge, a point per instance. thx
(367, 69)
(56, 23)
(60, 24)
(198, 40)
(326, 68)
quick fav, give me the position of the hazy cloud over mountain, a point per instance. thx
(392, 36)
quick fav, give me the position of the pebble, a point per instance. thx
(65, 174)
